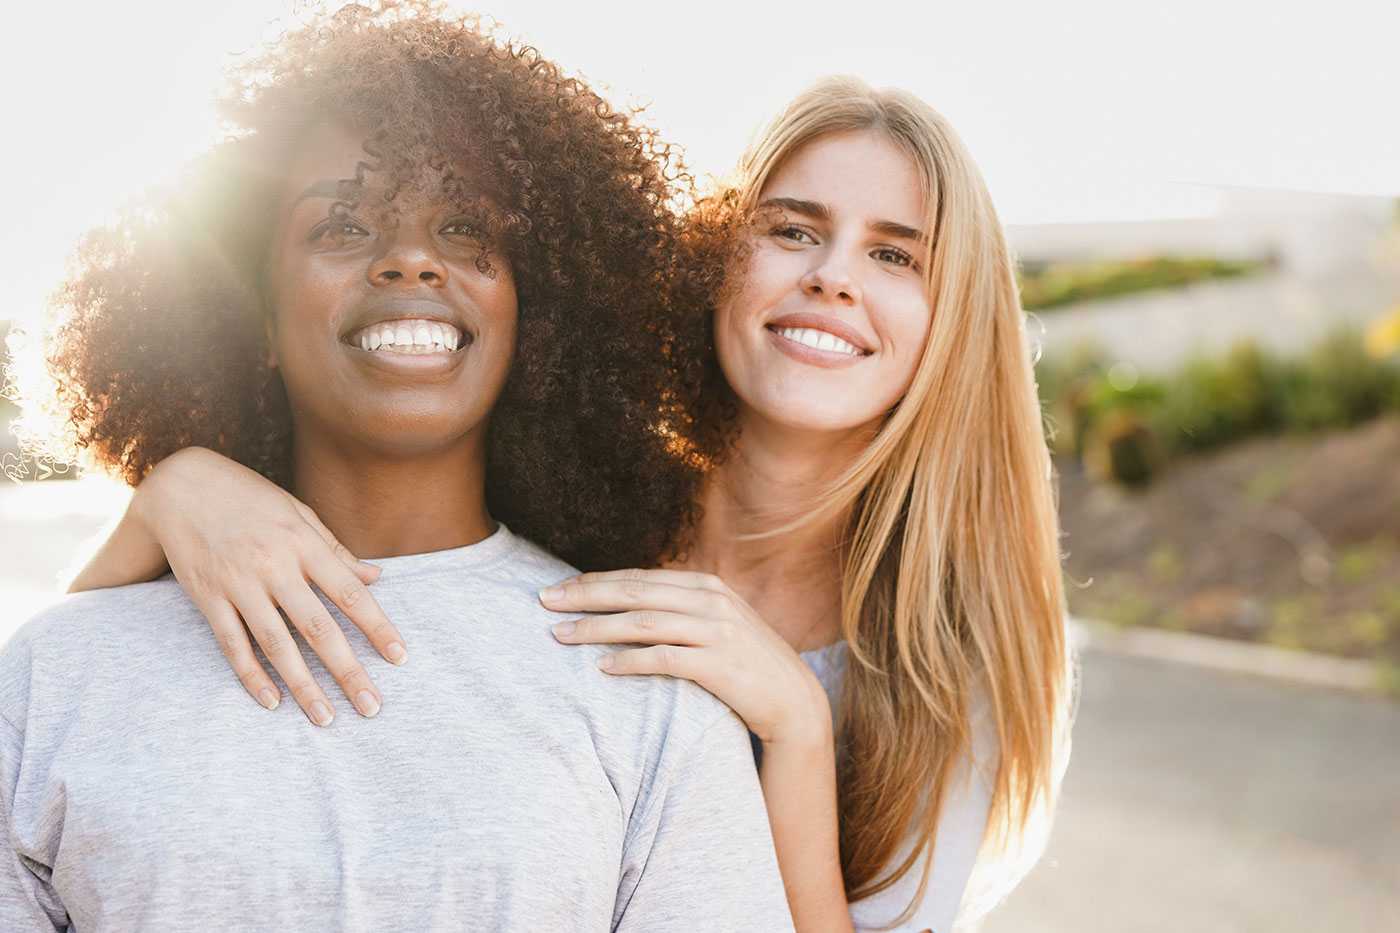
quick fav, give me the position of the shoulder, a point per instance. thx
(76, 619)
(530, 565)
(77, 635)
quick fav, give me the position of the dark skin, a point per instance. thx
(389, 447)
(389, 444)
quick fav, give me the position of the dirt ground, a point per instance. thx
(1293, 541)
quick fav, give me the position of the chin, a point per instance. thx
(814, 415)
(410, 437)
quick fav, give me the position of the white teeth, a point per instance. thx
(410, 337)
(819, 340)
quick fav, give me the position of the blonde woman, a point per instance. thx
(873, 583)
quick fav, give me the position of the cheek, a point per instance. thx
(909, 331)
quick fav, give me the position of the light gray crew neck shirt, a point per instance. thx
(508, 784)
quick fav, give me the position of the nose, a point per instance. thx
(830, 277)
(408, 256)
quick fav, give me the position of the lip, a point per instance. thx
(825, 322)
(827, 359)
(409, 364)
(397, 309)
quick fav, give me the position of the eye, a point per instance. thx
(892, 255)
(461, 228)
(793, 233)
(338, 228)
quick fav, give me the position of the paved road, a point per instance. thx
(1194, 801)
(1208, 802)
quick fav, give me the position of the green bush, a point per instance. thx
(1126, 431)
(1050, 285)
(1211, 402)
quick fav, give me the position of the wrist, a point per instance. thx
(808, 727)
(156, 487)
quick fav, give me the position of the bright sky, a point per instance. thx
(1075, 110)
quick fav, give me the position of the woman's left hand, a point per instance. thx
(698, 629)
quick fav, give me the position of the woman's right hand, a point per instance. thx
(243, 548)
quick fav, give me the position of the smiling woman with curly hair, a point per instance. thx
(428, 283)
(160, 339)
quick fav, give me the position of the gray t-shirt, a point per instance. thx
(508, 784)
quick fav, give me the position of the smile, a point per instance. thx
(818, 340)
(407, 336)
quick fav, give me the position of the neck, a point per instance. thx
(380, 505)
(771, 479)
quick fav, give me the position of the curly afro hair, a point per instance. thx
(158, 340)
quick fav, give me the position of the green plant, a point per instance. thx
(1336, 383)
(1124, 429)
(1164, 563)
(1050, 285)
(1387, 677)
(1359, 561)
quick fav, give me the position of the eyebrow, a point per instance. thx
(321, 189)
(819, 211)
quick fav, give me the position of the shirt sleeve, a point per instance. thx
(27, 899)
(700, 854)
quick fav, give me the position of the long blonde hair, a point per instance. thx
(952, 600)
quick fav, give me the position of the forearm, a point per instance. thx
(133, 552)
(130, 554)
(799, 788)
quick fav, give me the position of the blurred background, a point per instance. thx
(1205, 201)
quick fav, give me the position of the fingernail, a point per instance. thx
(551, 594)
(321, 713)
(268, 699)
(366, 703)
(564, 628)
(606, 662)
(396, 653)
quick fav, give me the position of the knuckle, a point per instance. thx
(353, 680)
(646, 621)
(318, 627)
(305, 692)
(351, 593)
(666, 658)
(251, 677)
(718, 605)
(382, 632)
(231, 641)
(275, 641)
(262, 562)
